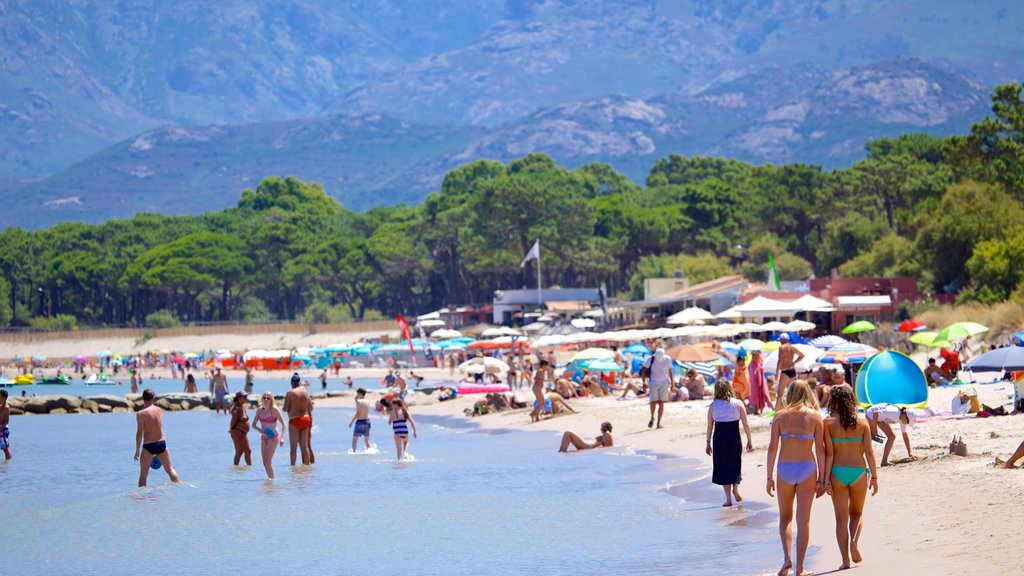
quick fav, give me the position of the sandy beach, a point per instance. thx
(936, 514)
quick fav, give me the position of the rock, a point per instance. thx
(90, 406)
(17, 401)
(166, 404)
(340, 393)
(58, 411)
(103, 408)
(110, 401)
(39, 405)
(184, 405)
(119, 410)
(17, 410)
(201, 408)
(318, 395)
(69, 403)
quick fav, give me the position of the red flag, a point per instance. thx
(408, 337)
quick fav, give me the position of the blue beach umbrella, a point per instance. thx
(636, 349)
(891, 378)
(601, 365)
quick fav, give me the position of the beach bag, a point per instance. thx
(975, 403)
(958, 447)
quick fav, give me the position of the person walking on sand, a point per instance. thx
(239, 429)
(5, 430)
(661, 380)
(361, 419)
(149, 439)
(400, 420)
(297, 406)
(723, 440)
(269, 423)
(760, 395)
(850, 459)
(603, 440)
(220, 390)
(538, 391)
(741, 378)
(796, 440)
(789, 356)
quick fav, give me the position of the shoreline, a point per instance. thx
(922, 517)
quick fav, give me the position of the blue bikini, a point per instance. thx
(797, 472)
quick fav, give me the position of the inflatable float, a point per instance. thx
(23, 380)
(481, 388)
(61, 380)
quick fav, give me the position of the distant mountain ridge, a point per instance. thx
(623, 81)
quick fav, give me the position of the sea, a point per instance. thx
(470, 502)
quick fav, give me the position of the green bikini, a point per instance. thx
(847, 475)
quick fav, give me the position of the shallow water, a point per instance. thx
(121, 386)
(470, 503)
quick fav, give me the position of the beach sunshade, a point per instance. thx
(691, 315)
(583, 322)
(104, 354)
(39, 358)
(589, 353)
(488, 364)
(601, 365)
(827, 342)
(445, 333)
(859, 326)
(999, 360)
(636, 349)
(911, 326)
(849, 353)
(811, 356)
(81, 358)
(800, 326)
(751, 344)
(705, 369)
(928, 339)
(773, 326)
(960, 330)
(891, 378)
(771, 346)
(686, 353)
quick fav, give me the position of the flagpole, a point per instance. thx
(540, 298)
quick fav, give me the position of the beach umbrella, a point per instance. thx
(588, 353)
(445, 333)
(706, 369)
(601, 365)
(800, 326)
(928, 339)
(960, 330)
(688, 353)
(859, 326)
(794, 338)
(583, 322)
(81, 358)
(771, 345)
(849, 353)
(636, 349)
(999, 360)
(773, 326)
(911, 326)
(488, 364)
(752, 344)
(730, 347)
(811, 356)
(104, 354)
(826, 342)
(39, 358)
(691, 315)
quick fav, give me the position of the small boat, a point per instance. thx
(101, 380)
(23, 380)
(61, 380)
(6, 382)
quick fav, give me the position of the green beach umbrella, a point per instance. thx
(592, 353)
(960, 330)
(859, 326)
(928, 339)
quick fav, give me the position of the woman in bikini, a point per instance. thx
(851, 459)
(270, 424)
(239, 429)
(796, 441)
(400, 420)
(604, 440)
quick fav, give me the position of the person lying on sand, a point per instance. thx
(604, 440)
(557, 404)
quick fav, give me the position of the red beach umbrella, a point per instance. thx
(910, 326)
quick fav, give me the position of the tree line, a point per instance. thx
(949, 211)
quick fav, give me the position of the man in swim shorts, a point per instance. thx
(149, 436)
(789, 356)
(661, 379)
(361, 419)
(298, 406)
(5, 431)
(220, 390)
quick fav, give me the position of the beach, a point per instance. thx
(936, 514)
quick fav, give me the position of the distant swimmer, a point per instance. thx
(239, 429)
(149, 437)
(250, 379)
(323, 379)
(361, 419)
(5, 431)
(400, 420)
(270, 424)
(190, 385)
(603, 440)
(299, 407)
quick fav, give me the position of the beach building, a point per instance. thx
(873, 299)
(714, 295)
(569, 302)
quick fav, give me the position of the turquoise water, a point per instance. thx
(278, 385)
(470, 504)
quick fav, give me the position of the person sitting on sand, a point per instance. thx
(636, 386)
(1000, 463)
(679, 392)
(565, 388)
(149, 439)
(883, 416)
(604, 440)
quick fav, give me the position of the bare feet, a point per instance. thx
(736, 495)
(784, 571)
(843, 567)
(885, 464)
(1000, 463)
(855, 553)
(727, 504)
(804, 573)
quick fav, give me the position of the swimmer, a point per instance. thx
(400, 420)
(266, 421)
(299, 407)
(239, 429)
(220, 389)
(604, 440)
(361, 419)
(149, 437)
(5, 431)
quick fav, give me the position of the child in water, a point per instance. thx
(400, 420)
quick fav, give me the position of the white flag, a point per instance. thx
(532, 254)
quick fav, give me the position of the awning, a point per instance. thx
(568, 306)
(846, 302)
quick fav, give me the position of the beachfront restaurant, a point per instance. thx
(565, 301)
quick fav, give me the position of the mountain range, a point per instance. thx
(145, 105)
